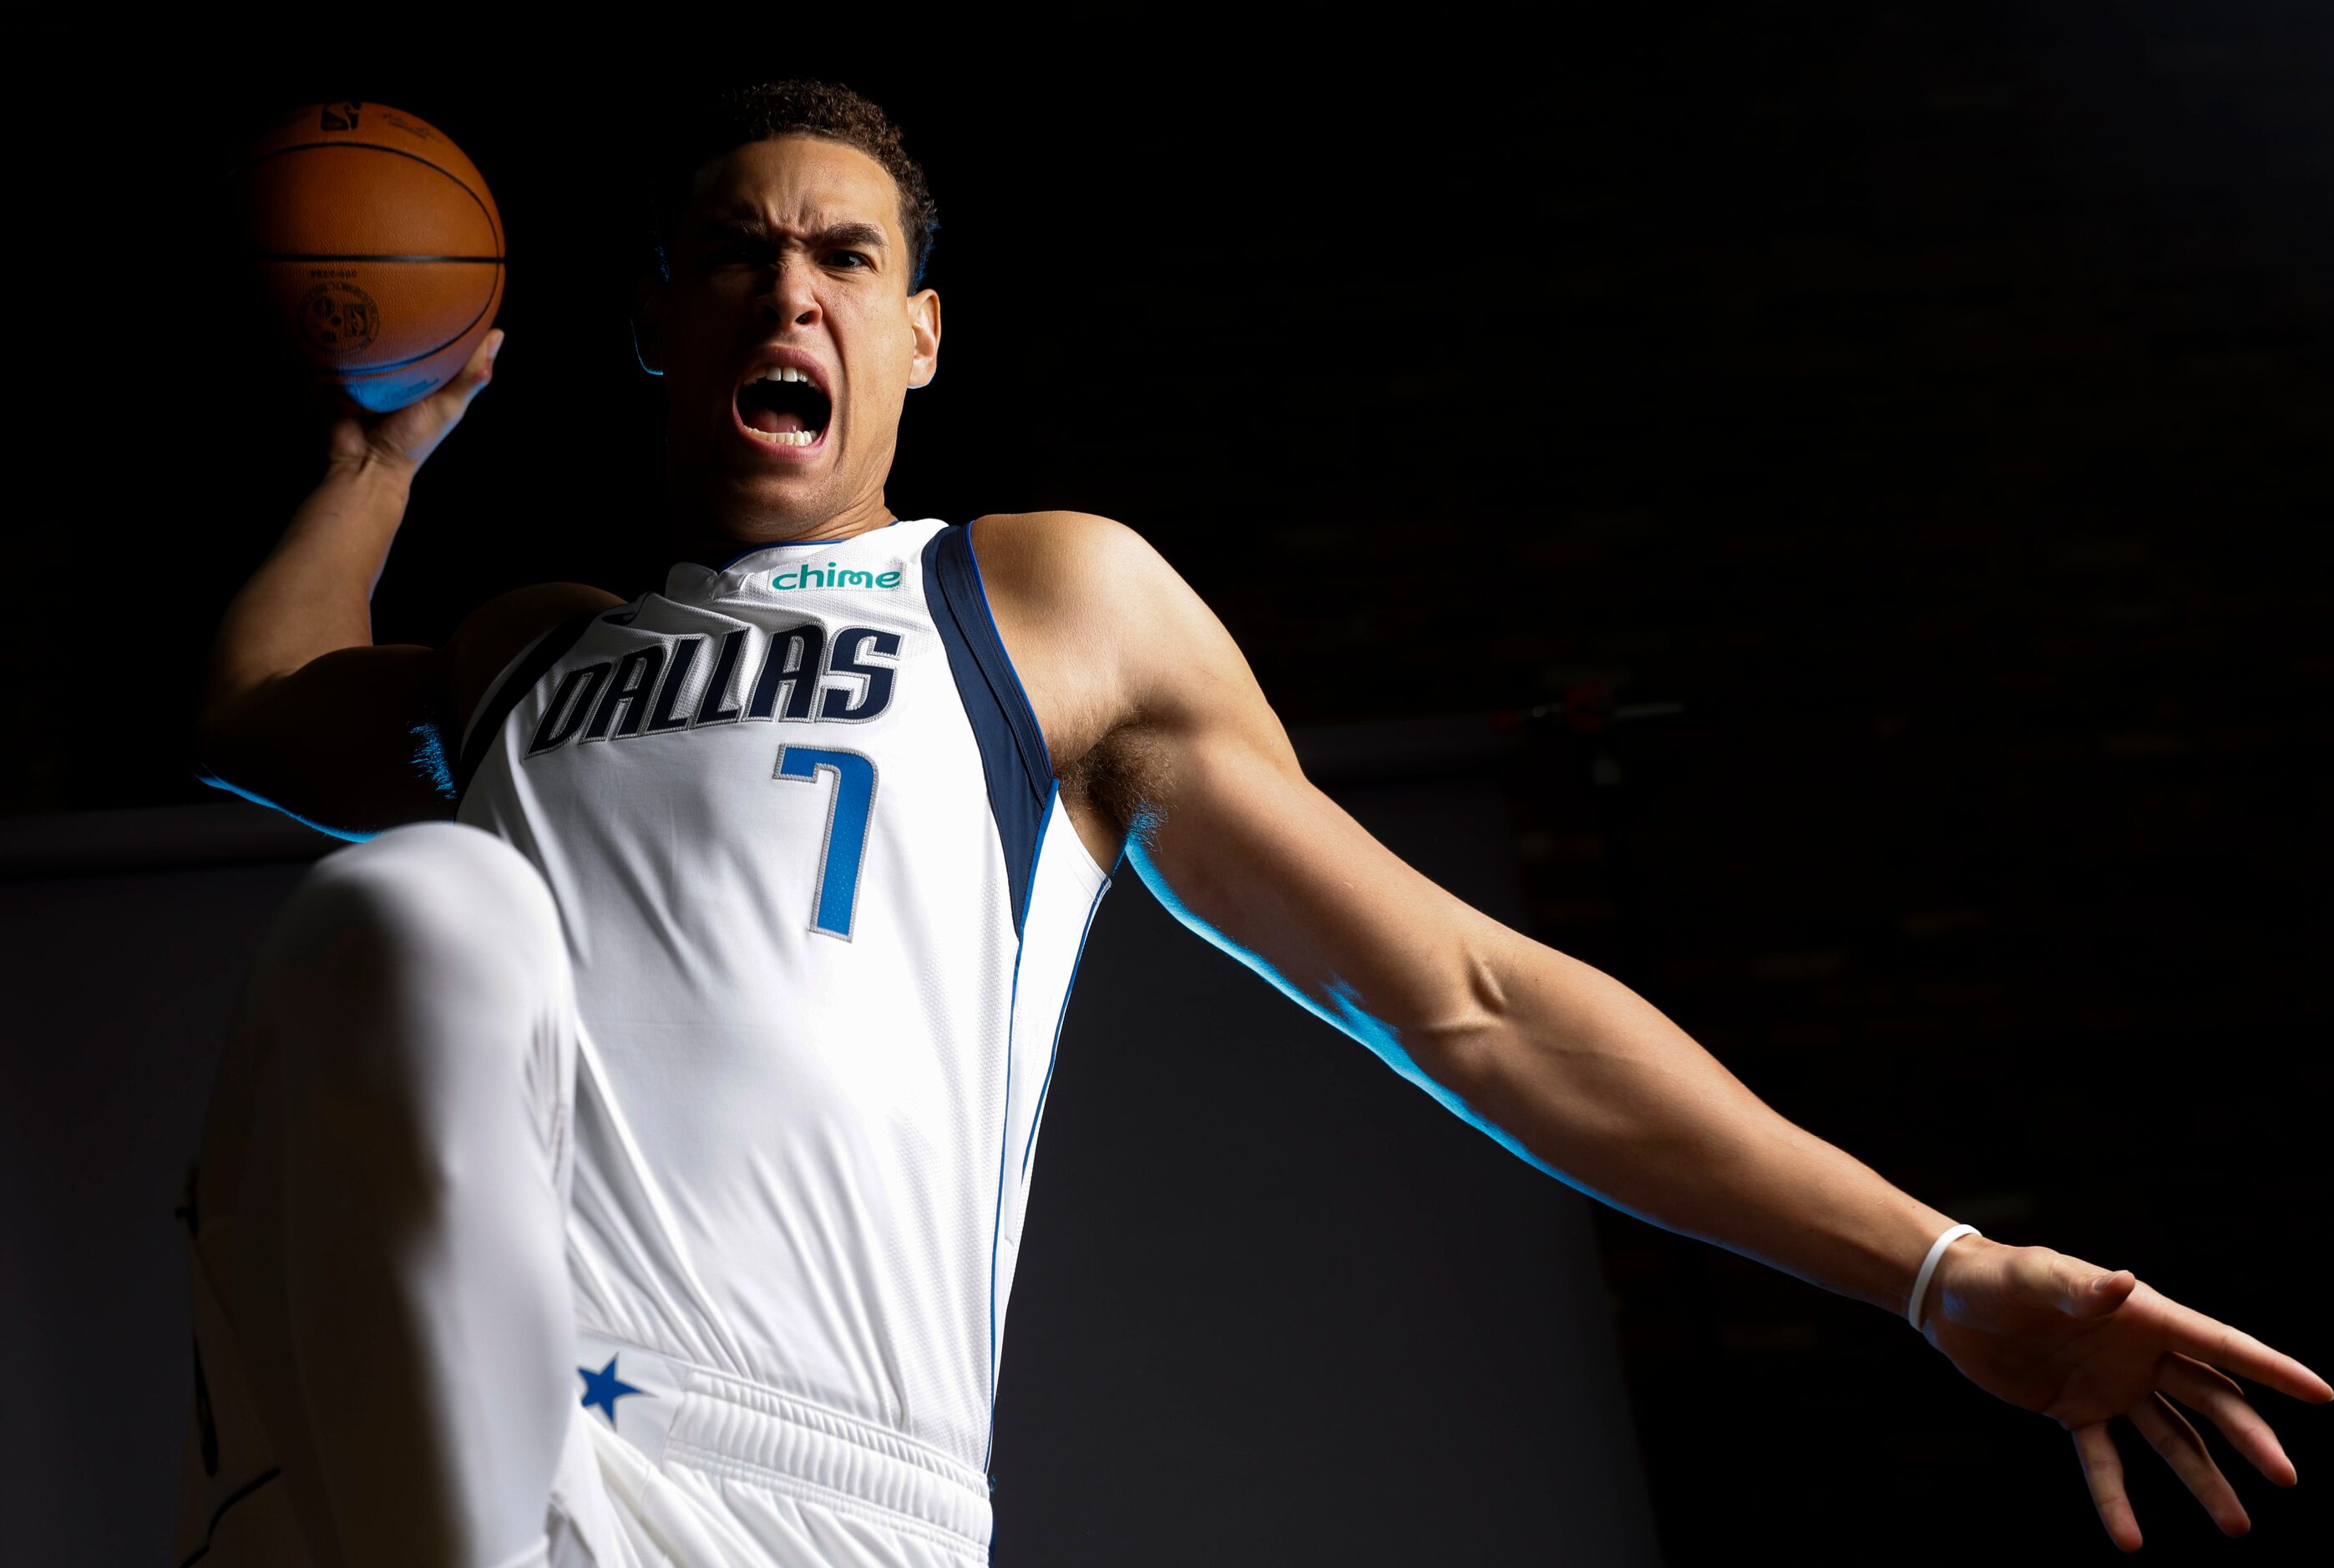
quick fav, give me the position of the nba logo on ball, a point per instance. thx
(339, 318)
(378, 249)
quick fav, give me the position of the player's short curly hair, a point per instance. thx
(772, 109)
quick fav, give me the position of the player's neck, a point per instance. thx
(715, 543)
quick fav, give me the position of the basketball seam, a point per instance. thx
(493, 223)
(493, 226)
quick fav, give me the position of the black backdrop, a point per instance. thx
(1931, 401)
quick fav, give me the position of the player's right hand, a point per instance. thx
(2079, 1343)
(403, 439)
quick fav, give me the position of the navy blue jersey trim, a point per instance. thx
(515, 684)
(1012, 748)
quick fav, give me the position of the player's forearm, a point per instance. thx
(313, 593)
(1601, 1087)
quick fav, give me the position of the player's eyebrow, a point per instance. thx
(858, 234)
(752, 225)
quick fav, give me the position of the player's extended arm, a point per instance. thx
(301, 710)
(1587, 1081)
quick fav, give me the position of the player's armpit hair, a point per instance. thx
(1125, 774)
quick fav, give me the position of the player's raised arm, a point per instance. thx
(301, 710)
(1564, 1064)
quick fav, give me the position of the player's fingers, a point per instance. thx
(2217, 1344)
(443, 410)
(2103, 1470)
(413, 433)
(2169, 1433)
(2221, 1401)
(478, 371)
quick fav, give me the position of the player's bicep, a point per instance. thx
(351, 743)
(1250, 853)
(1243, 848)
(362, 739)
(1221, 822)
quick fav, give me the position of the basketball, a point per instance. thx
(379, 250)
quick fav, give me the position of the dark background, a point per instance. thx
(1932, 401)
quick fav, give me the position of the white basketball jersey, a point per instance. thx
(825, 905)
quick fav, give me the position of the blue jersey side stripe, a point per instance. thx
(1012, 748)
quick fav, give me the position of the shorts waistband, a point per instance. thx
(728, 1426)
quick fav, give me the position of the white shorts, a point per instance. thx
(745, 1478)
(748, 1475)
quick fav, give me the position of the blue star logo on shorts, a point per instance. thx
(603, 1389)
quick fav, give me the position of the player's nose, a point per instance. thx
(788, 297)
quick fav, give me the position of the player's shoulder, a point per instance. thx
(1102, 611)
(501, 628)
(1068, 557)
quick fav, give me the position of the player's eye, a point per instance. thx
(850, 259)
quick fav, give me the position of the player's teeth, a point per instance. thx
(785, 437)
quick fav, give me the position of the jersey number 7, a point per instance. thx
(849, 810)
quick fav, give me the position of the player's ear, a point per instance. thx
(924, 322)
(648, 322)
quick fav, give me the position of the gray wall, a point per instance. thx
(119, 987)
(1275, 1303)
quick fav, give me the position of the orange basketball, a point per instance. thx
(379, 250)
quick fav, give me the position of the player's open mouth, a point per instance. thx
(781, 405)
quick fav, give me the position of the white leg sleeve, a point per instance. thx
(385, 1207)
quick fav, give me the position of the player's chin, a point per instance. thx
(766, 475)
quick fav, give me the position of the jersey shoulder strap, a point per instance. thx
(517, 680)
(1013, 751)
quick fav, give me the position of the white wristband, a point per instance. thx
(1929, 1266)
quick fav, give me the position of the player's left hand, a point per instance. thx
(2082, 1344)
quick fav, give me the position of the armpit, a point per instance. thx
(1123, 778)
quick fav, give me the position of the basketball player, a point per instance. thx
(622, 1155)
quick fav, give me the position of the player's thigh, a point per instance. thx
(438, 911)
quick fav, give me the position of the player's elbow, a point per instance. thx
(1457, 1036)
